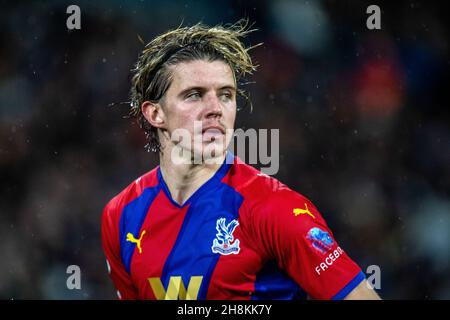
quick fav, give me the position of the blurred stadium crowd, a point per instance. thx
(363, 118)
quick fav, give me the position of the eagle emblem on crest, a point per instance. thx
(223, 243)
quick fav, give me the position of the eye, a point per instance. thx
(226, 96)
(193, 95)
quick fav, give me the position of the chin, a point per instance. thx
(213, 151)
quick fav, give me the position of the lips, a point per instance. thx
(211, 133)
(214, 129)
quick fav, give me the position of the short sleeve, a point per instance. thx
(111, 247)
(294, 233)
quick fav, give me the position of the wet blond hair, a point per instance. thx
(151, 76)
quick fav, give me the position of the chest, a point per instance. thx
(203, 250)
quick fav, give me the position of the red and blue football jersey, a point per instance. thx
(241, 235)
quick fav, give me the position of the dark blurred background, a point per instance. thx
(363, 118)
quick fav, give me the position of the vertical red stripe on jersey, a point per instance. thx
(157, 242)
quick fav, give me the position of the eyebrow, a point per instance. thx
(203, 89)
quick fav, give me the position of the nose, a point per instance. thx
(213, 107)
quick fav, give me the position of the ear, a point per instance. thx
(154, 114)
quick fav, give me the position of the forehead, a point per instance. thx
(200, 73)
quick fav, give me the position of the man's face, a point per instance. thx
(201, 93)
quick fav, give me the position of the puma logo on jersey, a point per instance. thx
(298, 211)
(132, 239)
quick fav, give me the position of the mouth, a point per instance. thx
(212, 132)
(214, 128)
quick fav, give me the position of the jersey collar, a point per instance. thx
(208, 185)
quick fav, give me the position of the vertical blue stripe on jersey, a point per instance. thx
(191, 254)
(131, 220)
(274, 284)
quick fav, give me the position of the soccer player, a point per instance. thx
(203, 224)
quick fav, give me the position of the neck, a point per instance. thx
(183, 180)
